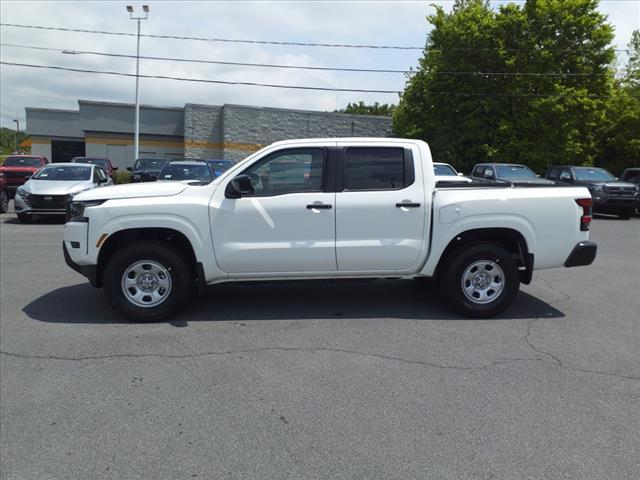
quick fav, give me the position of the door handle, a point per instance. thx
(319, 206)
(407, 205)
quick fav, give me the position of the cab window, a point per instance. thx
(297, 170)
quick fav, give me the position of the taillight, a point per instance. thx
(585, 219)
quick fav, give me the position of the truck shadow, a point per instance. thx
(379, 299)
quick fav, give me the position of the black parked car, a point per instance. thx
(609, 194)
(194, 170)
(147, 169)
(508, 172)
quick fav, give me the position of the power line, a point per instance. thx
(301, 67)
(295, 87)
(273, 42)
(216, 62)
(201, 80)
(223, 40)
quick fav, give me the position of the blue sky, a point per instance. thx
(358, 22)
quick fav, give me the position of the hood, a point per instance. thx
(532, 181)
(611, 183)
(134, 190)
(147, 172)
(56, 187)
(4, 168)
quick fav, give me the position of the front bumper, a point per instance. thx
(582, 254)
(605, 204)
(24, 206)
(89, 271)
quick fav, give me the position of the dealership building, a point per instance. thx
(104, 129)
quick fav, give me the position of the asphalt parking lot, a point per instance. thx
(328, 380)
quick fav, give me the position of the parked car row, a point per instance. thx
(610, 195)
(41, 188)
(152, 169)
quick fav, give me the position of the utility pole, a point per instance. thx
(136, 141)
(17, 120)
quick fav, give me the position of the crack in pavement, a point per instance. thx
(555, 360)
(533, 347)
(316, 349)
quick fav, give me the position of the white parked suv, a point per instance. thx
(50, 188)
(324, 209)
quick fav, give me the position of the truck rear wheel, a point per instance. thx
(147, 281)
(480, 280)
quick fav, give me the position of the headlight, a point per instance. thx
(21, 191)
(75, 210)
(597, 188)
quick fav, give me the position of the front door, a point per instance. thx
(287, 223)
(382, 210)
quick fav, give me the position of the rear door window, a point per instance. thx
(376, 168)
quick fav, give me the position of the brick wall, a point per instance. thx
(234, 131)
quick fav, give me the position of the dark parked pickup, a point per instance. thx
(507, 173)
(609, 194)
(147, 169)
(632, 175)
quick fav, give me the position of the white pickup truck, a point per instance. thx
(324, 209)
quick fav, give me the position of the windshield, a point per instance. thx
(64, 173)
(592, 174)
(22, 162)
(150, 164)
(514, 172)
(444, 170)
(176, 171)
(220, 166)
(94, 161)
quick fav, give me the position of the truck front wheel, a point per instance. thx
(147, 281)
(480, 280)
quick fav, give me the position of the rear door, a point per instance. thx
(380, 208)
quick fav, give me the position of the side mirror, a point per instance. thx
(128, 168)
(460, 174)
(240, 185)
(115, 168)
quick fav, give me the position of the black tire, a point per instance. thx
(24, 217)
(160, 253)
(450, 279)
(625, 214)
(4, 201)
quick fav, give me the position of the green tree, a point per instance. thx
(487, 87)
(621, 125)
(8, 140)
(361, 108)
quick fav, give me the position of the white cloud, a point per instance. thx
(382, 22)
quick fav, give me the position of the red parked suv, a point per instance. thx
(4, 194)
(105, 163)
(16, 169)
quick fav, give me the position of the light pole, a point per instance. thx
(136, 141)
(17, 120)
